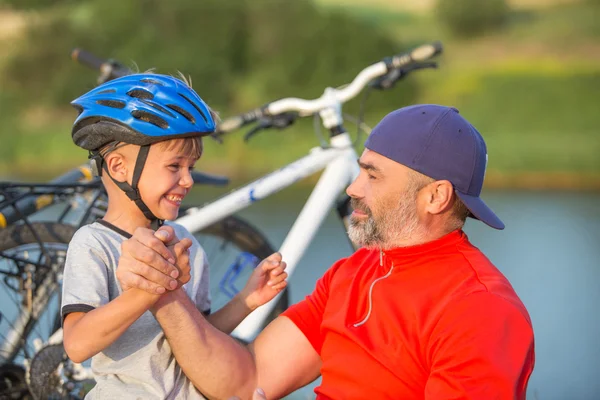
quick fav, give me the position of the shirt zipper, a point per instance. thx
(370, 298)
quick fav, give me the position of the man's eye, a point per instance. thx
(372, 177)
(191, 168)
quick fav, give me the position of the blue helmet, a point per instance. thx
(140, 109)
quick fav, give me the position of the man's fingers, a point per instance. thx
(167, 235)
(259, 394)
(153, 275)
(148, 238)
(137, 251)
(136, 281)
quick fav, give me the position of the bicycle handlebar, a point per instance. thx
(108, 69)
(27, 205)
(333, 96)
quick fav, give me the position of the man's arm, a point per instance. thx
(208, 355)
(482, 348)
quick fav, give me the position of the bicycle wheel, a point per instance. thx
(28, 318)
(234, 248)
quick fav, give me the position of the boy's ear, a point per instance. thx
(117, 166)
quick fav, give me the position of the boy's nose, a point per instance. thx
(186, 179)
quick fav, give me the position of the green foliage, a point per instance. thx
(32, 4)
(472, 17)
(238, 52)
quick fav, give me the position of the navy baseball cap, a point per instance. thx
(439, 143)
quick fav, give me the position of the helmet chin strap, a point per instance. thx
(132, 190)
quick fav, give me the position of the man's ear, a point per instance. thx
(439, 197)
(117, 166)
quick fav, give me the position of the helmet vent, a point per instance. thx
(152, 81)
(151, 118)
(140, 94)
(111, 103)
(107, 91)
(195, 106)
(158, 107)
(182, 112)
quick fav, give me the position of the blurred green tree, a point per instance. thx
(472, 17)
(238, 52)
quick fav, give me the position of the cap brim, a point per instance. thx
(481, 211)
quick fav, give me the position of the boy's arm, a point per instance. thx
(230, 315)
(265, 282)
(87, 334)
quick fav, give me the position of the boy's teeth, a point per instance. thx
(174, 198)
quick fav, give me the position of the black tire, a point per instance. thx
(19, 239)
(12, 382)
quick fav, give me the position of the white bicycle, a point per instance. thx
(337, 158)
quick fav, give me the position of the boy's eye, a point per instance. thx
(174, 166)
(371, 177)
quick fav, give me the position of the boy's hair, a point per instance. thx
(188, 147)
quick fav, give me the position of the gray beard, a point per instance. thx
(383, 231)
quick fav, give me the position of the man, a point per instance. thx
(417, 312)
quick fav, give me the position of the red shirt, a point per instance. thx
(433, 321)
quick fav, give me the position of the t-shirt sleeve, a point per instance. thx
(85, 277)
(481, 348)
(307, 315)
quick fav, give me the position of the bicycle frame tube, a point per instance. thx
(199, 218)
(336, 177)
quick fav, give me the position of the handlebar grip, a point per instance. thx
(230, 124)
(421, 53)
(86, 58)
(233, 123)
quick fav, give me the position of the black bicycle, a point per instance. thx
(32, 254)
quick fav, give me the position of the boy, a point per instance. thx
(144, 134)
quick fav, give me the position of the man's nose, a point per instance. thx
(354, 189)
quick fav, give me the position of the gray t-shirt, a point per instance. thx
(140, 363)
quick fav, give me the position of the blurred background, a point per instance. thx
(526, 73)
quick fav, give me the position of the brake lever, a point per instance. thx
(388, 80)
(263, 123)
(280, 122)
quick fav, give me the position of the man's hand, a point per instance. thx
(147, 263)
(258, 394)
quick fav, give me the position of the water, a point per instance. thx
(549, 251)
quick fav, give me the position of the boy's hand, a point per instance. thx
(146, 263)
(181, 251)
(267, 279)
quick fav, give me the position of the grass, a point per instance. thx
(531, 89)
